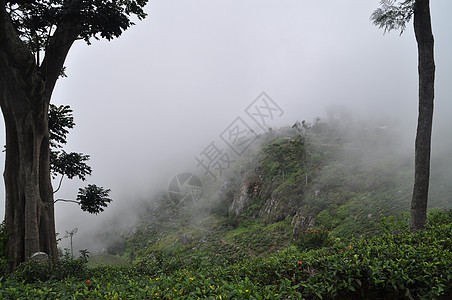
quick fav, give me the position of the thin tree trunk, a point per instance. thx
(426, 69)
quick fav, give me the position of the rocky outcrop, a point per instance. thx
(301, 223)
(240, 200)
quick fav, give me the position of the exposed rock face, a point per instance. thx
(240, 200)
(274, 185)
(277, 201)
(277, 208)
(301, 223)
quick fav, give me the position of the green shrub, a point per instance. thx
(3, 241)
(33, 271)
(69, 267)
(389, 266)
(399, 265)
(4, 268)
(394, 224)
(314, 239)
(437, 217)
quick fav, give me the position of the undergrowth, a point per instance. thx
(392, 265)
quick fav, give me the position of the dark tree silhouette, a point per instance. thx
(393, 15)
(91, 199)
(62, 163)
(35, 38)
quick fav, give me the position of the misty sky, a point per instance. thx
(148, 103)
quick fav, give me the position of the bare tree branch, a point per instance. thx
(59, 184)
(65, 200)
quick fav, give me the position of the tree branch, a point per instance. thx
(59, 185)
(65, 200)
(58, 47)
(10, 43)
(16, 55)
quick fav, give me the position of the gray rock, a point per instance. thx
(240, 201)
(41, 257)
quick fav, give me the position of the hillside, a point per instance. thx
(338, 176)
(312, 212)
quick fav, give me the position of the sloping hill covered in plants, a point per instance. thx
(335, 177)
(313, 212)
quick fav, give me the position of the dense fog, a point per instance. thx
(149, 103)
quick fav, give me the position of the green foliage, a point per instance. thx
(250, 256)
(389, 266)
(256, 238)
(60, 121)
(353, 178)
(107, 260)
(395, 224)
(84, 255)
(436, 217)
(32, 270)
(4, 267)
(281, 158)
(63, 163)
(68, 267)
(35, 21)
(325, 219)
(393, 15)
(314, 239)
(93, 199)
(69, 164)
(3, 240)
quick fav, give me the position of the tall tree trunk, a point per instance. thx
(29, 213)
(24, 100)
(25, 93)
(426, 69)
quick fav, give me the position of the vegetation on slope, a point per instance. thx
(399, 265)
(315, 212)
(335, 176)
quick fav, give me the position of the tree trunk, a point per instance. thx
(29, 212)
(426, 70)
(24, 100)
(25, 92)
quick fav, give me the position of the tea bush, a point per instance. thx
(33, 271)
(399, 265)
(437, 217)
(314, 239)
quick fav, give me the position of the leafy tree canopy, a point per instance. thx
(60, 121)
(93, 199)
(393, 15)
(63, 163)
(37, 21)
